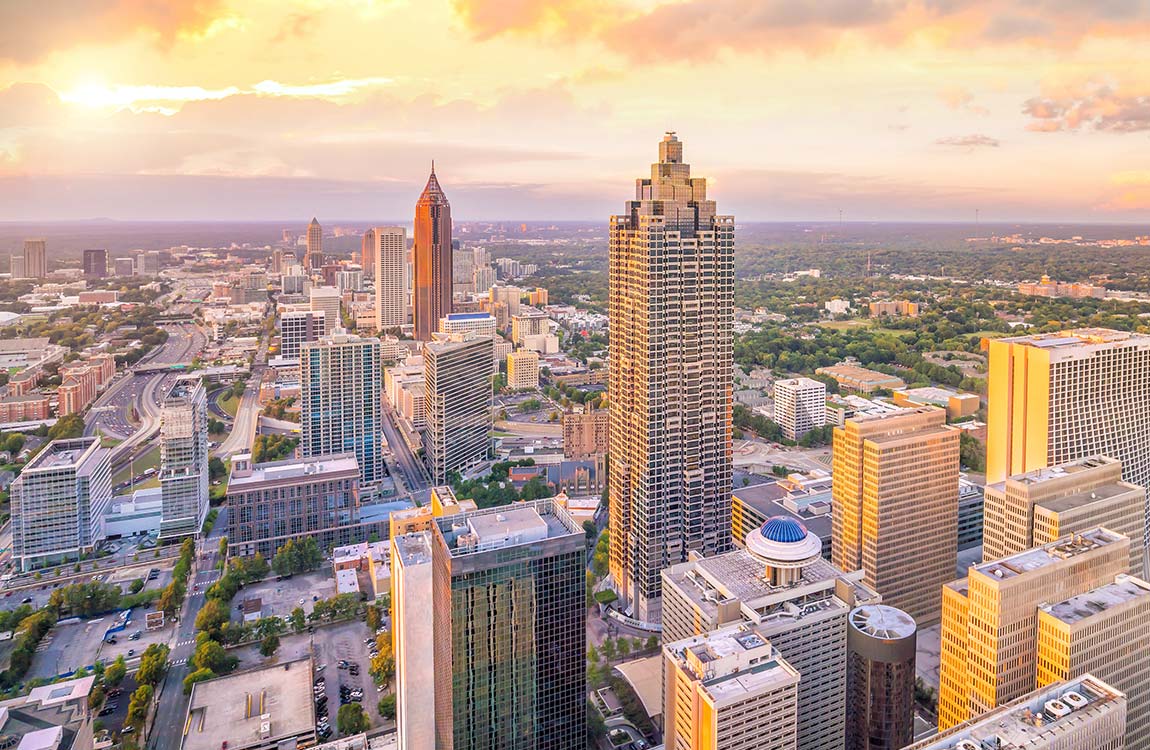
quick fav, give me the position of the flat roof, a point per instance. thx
(61, 454)
(315, 467)
(1048, 554)
(882, 621)
(1093, 603)
(470, 316)
(413, 549)
(1048, 473)
(1086, 497)
(234, 708)
(1078, 337)
(859, 373)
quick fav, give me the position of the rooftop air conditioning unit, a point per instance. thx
(1056, 709)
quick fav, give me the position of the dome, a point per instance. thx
(784, 530)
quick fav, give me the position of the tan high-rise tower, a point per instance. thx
(895, 509)
(432, 299)
(35, 259)
(313, 256)
(390, 258)
(671, 317)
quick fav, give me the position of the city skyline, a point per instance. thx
(892, 111)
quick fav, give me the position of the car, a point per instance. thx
(134, 636)
(113, 692)
(26, 600)
(380, 688)
(111, 641)
(131, 652)
(343, 664)
(104, 712)
(302, 600)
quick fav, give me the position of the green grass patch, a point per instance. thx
(845, 325)
(990, 334)
(229, 404)
(606, 596)
(143, 463)
(899, 332)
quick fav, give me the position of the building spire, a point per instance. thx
(433, 167)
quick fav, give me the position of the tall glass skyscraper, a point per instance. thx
(671, 315)
(432, 299)
(341, 409)
(184, 459)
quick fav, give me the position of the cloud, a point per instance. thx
(969, 142)
(30, 30)
(1094, 107)
(959, 98)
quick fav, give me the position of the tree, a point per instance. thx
(212, 616)
(216, 468)
(352, 719)
(136, 587)
(96, 696)
(70, 426)
(153, 664)
(197, 676)
(139, 704)
(298, 619)
(590, 530)
(115, 672)
(211, 655)
(372, 618)
(383, 664)
(269, 645)
(387, 707)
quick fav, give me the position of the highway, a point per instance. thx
(166, 729)
(244, 426)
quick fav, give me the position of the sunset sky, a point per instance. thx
(534, 109)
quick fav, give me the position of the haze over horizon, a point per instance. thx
(890, 110)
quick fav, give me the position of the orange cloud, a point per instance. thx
(32, 30)
(487, 18)
(1094, 107)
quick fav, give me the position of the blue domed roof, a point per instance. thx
(783, 529)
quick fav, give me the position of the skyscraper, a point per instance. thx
(800, 406)
(340, 409)
(457, 382)
(35, 259)
(390, 256)
(989, 651)
(880, 678)
(670, 379)
(367, 253)
(433, 266)
(327, 299)
(95, 263)
(313, 256)
(184, 459)
(489, 631)
(1058, 397)
(59, 502)
(895, 506)
(299, 327)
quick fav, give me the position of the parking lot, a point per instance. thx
(280, 597)
(124, 576)
(330, 644)
(70, 646)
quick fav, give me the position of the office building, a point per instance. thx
(457, 405)
(880, 678)
(894, 511)
(299, 327)
(489, 631)
(149, 263)
(477, 323)
(349, 280)
(35, 259)
(851, 377)
(273, 502)
(1083, 714)
(529, 322)
(95, 263)
(313, 255)
(781, 585)
(989, 646)
(670, 377)
(729, 690)
(586, 434)
(340, 408)
(16, 267)
(124, 267)
(1104, 632)
(433, 267)
(184, 458)
(800, 406)
(368, 249)
(957, 405)
(327, 299)
(59, 502)
(1032, 509)
(1054, 398)
(523, 370)
(390, 269)
(483, 278)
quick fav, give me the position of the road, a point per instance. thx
(168, 723)
(244, 426)
(411, 472)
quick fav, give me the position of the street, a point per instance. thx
(410, 471)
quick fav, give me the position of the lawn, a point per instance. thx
(845, 325)
(229, 404)
(147, 461)
(899, 332)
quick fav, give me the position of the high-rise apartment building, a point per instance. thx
(433, 267)
(457, 404)
(59, 502)
(299, 327)
(95, 263)
(782, 586)
(1104, 632)
(523, 369)
(390, 269)
(327, 299)
(729, 690)
(489, 631)
(184, 459)
(989, 634)
(483, 278)
(895, 506)
(671, 315)
(340, 407)
(1083, 714)
(586, 434)
(1058, 397)
(530, 321)
(35, 259)
(800, 406)
(881, 647)
(1032, 509)
(274, 502)
(313, 255)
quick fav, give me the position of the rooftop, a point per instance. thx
(733, 663)
(252, 708)
(881, 621)
(62, 454)
(413, 549)
(1079, 337)
(1049, 554)
(1124, 589)
(469, 316)
(316, 467)
(935, 395)
(1084, 498)
(1049, 473)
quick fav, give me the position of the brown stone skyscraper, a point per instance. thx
(432, 298)
(313, 256)
(672, 310)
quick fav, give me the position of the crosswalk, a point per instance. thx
(179, 662)
(188, 642)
